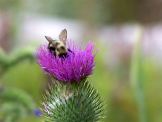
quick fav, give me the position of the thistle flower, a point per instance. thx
(70, 102)
(78, 64)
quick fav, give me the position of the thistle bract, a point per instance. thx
(81, 104)
(75, 67)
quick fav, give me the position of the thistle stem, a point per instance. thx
(137, 77)
(7, 62)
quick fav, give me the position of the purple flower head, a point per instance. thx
(77, 66)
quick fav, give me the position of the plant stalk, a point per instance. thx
(137, 77)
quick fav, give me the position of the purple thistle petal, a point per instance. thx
(74, 68)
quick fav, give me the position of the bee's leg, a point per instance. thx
(70, 51)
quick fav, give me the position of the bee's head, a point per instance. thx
(60, 47)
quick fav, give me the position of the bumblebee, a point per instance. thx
(58, 47)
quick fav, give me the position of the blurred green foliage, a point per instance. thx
(8, 61)
(24, 83)
(91, 11)
(15, 104)
(10, 4)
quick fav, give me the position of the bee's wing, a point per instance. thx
(63, 36)
(49, 39)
